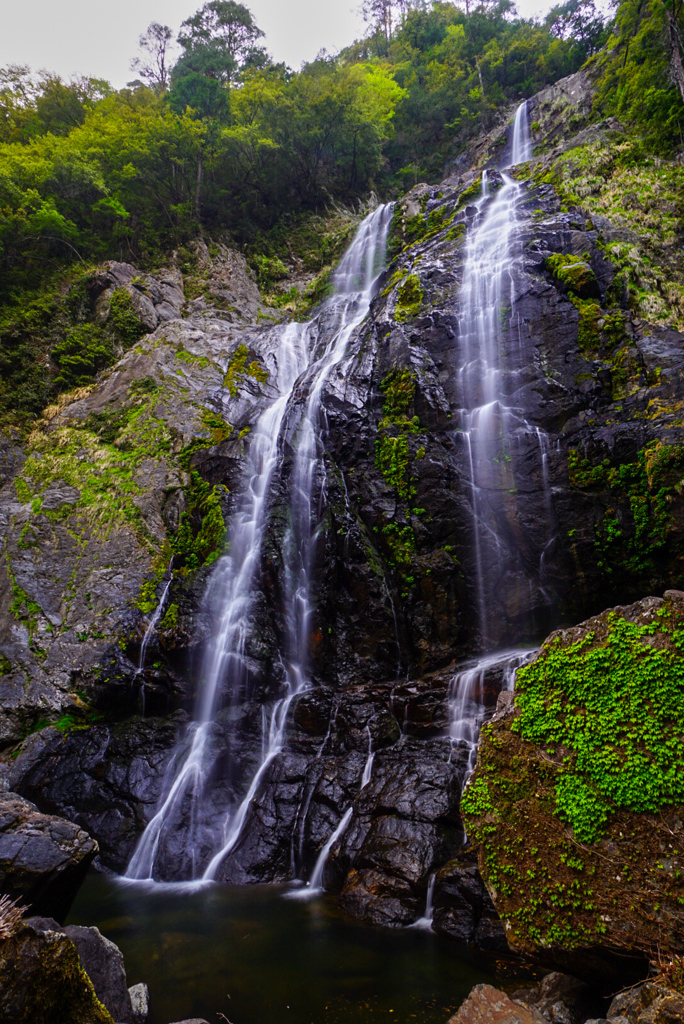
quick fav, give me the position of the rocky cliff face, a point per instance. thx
(146, 465)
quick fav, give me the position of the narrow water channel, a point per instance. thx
(261, 959)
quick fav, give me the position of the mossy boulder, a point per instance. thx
(577, 800)
(41, 979)
(574, 274)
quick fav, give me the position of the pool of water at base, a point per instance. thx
(258, 958)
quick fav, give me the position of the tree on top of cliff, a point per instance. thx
(152, 64)
(217, 41)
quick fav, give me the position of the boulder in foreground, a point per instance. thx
(43, 859)
(577, 800)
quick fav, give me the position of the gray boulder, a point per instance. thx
(103, 962)
(42, 858)
(562, 999)
(140, 1002)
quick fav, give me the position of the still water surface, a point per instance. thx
(259, 959)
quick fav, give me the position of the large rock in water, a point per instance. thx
(43, 859)
(577, 799)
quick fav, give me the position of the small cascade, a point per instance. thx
(425, 922)
(493, 428)
(305, 356)
(368, 767)
(314, 887)
(149, 632)
(467, 707)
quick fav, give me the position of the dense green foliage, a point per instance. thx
(237, 143)
(616, 707)
(633, 532)
(640, 71)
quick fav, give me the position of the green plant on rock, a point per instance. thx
(409, 298)
(393, 459)
(471, 193)
(201, 533)
(82, 354)
(392, 450)
(170, 620)
(615, 704)
(122, 320)
(238, 370)
(630, 540)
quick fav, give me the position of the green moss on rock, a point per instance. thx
(202, 528)
(574, 273)
(41, 979)
(409, 298)
(634, 529)
(238, 370)
(576, 800)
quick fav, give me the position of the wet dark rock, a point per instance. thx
(463, 909)
(43, 859)
(562, 999)
(106, 779)
(379, 898)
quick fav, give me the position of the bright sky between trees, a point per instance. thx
(72, 37)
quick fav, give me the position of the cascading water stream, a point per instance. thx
(467, 707)
(305, 357)
(495, 431)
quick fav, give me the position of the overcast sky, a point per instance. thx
(94, 38)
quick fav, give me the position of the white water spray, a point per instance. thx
(306, 356)
(494, 431)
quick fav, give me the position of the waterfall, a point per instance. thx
(425, 922)
(305, 357)
(467, 708)
(494, 430)
(314, 887)
(368, 767)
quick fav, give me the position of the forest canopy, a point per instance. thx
(214, 139)
(225, 140)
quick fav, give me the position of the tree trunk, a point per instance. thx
(676, 54)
